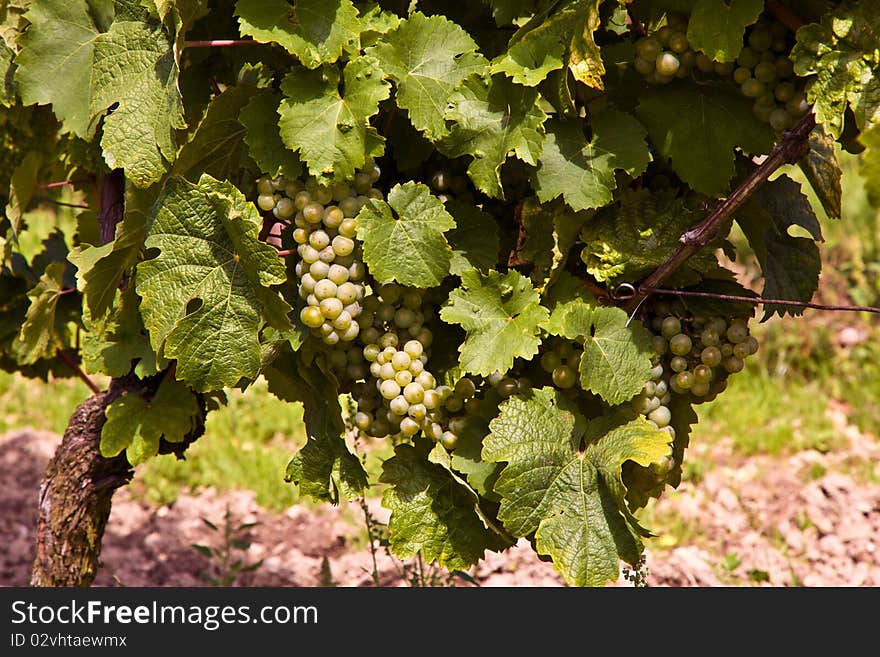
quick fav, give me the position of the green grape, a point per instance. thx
(723, 68)
(414, 393)
(648, 48)
(711, 356)
(660, 416)
(644, 66)
(678, 42)
(705, 63)
(399, 405)
(331, 307)
(753, 88)
(550, 360)
(670, 327)
(741, 74)
(680, 344)
(733, 364)
(564, 376)
(389, 389)
(403, 378)
(507, 387)
(449, 440)
(780, 120)
(765, 72)
(760, 39)
(311, 316)
(266, 202)
(784, 91)
(748, 58)
(678, 364)
(409, 427)
(684, 379)
(703, 373)
(464, 388)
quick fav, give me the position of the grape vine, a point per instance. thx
(417, 217)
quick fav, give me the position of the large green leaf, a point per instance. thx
(206, 295)
(716, 27)
(617, 352)
(474, 240)
(217, 146)
(790, 264)
(136, 424)
(135, 72)
(427, 57)
(316, 31)
(501, 314)
(493, 118)
(583, 170)
(551, 230)
(263, 137)
(562, 483)
(822, 170)
(38, 337)
(432, 513)
(403, 238)
(627, 241)
(840, 55)
(55, 61)
(326, 118)
(699, 130)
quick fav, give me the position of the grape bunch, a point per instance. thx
(330, 268)
(694, 355)
(763, 70)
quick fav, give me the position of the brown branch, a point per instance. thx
(785, 15)
(65, 358)
(793, 146)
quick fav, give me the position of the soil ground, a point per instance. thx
(758, 521)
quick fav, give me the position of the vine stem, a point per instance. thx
(785, 15)
(65, 358)
(793, 146)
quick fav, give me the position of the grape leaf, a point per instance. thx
(217, 146)
(474, 239)
(410, 247)
(501, 314)
(135, 71)
(325, 468)
(565, 293)
(584, 56)
(431, 512)
(717, 27)
(626, 242)
(264, 139)
(841, 53)
(562, 482)
(427, 57)
(7, 75)
(790, 264)
(506, 12)
(137, 424)
(551, 230)
(112, 343)
(491, 119)
(617, 352)
(22, 187)
(699, 130)
(38, 337)
(54, 63)
(467, 456)
(206, 295)
(583, 171)
(530, 60)
(101, 268)
(328, 127)
(822, 170)
(315, 31)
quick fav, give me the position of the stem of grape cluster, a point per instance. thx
(793, 146)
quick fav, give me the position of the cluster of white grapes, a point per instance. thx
(330, 267)
(375, 336)
(694, 356)
(763, 69)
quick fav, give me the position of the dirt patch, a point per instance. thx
(756, 521)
